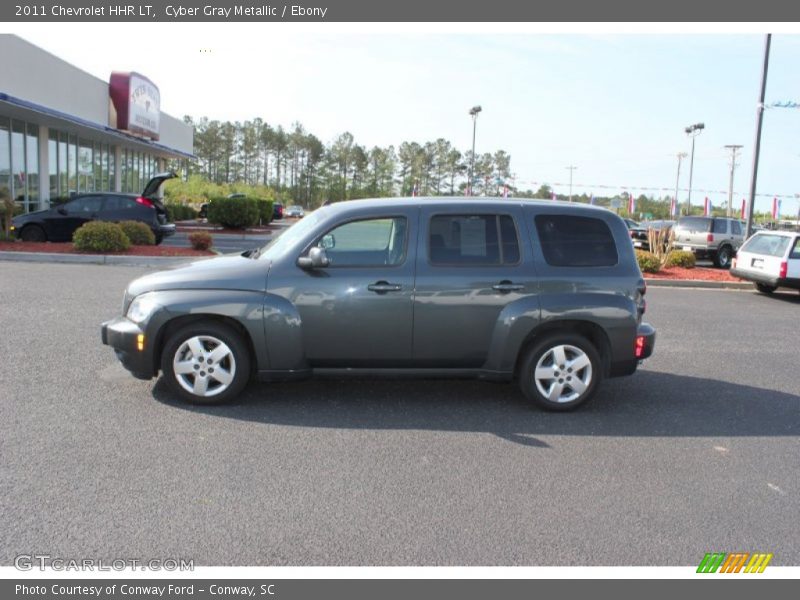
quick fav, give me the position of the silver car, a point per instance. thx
(711, 238)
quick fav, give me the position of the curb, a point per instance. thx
(693, 283)
(98, 259)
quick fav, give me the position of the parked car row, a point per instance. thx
(57, 224)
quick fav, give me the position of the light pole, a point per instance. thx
(757, 145)
(571, 169)
(692, 131)
(734, 148)
(681, 156)
(473, 112)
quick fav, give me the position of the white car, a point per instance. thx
(770, 259)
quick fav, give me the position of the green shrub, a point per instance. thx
(681, 258)
(233, 213)
(264, 211)
(200, 240)
(180, 212)
(648, 262)
(99, 236)
(138, 233)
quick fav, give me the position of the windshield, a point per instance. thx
(766, 244)
(288, 238)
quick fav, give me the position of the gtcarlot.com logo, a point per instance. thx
(734, 562)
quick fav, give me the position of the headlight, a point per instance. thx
(141, 308)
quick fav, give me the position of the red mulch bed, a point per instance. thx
(69, 248)
(696, 274)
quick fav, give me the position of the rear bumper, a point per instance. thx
(628, 366)
(646, 331)
(122, 335)
(789, 282)
(166, 230)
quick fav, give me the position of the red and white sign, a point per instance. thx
(135, 104)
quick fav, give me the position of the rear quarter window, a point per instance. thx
(695, 224)
(574, 241)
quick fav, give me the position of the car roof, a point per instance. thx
(466, 201)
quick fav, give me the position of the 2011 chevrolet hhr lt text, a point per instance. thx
(547, 293)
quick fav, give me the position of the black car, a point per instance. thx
(638, 234)
(57, 224)
(277, 210)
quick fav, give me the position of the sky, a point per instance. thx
(613, 105)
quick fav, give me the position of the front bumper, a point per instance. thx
(123, 336)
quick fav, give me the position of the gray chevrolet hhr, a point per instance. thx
(545, 292)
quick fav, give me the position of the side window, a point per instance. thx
(573, 241)
(472, 240)
(735, 228)
(85, 205)
(720, 226)
(367, 243)
(795, 253)
(119, 203)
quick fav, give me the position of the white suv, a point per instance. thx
(770, 259)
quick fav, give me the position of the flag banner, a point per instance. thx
(631, 204)
(673, 207)
(415, 190)
(707, 207)
(744, 208)
(776, 209)
(505, 191)
(554, 196)
(591, 199)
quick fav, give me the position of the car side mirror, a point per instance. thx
(316, 259)
(327, 242)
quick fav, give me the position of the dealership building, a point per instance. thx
(64, 131)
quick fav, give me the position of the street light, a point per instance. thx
(692, 131)
(681, 156)
(473, 112)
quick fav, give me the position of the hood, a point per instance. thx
(225, 272)
(30, 215)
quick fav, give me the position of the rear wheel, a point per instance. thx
(33, 233)
(159, 239)
(764, 288)
(560, 372)
(723, 258)
(206, 363)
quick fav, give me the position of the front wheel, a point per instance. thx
(560, 372)
(33, 233)
(206, 363)
(765, 289)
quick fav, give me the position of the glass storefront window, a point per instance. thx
(63, 166)
(72, 165)
(32, 166)
(52, 153)
(98, 172)
(5, 161)
(85, 167)
(112, 168)
(18, 188)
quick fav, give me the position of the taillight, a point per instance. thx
(710, 237)
(145, 202)
(639, 348)
(784, 270)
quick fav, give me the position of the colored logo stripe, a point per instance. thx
(733, 562)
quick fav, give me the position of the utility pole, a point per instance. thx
(681, 156)
(571, 169)
(757, 144)
(734, 148)
(473, 112)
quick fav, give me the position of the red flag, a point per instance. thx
(707, 208)
(631, 204)
(776, 208)
(744, 205)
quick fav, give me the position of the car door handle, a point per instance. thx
(507, 286)
(381, 287)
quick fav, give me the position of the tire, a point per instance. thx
(723, 257)
(764, 288)
(542, 357)
(201, 382)
(32, 233)
(159, 239)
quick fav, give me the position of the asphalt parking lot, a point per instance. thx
(697, 452)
